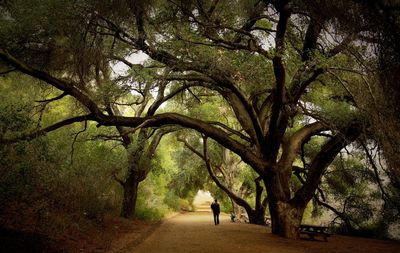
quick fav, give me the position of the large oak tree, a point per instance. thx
(277, 65)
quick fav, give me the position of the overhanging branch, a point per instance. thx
(323, 159)
(232, 195)
(52, 99)
(48, 129)
(69, 88)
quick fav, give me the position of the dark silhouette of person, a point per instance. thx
(215, 210)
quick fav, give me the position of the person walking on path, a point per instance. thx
(215, 210)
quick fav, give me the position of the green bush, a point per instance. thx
(172, 201)
(150, 214)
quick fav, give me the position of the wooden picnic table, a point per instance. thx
(314, 230)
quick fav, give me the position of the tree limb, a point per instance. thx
(176, 64)
(310, 41)
(274, 134)
(377, 177)
(69, 88)
(232, 195)
(74, 141)
(48, 129)
(52, 99)
(232, 131)
(292, 146)
(342, 215)
(323, 159)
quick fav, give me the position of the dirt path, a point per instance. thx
(195, 232)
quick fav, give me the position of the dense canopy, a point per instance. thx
(294, 88)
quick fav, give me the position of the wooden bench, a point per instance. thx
(314, 230)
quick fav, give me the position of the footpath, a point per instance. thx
(195, 232)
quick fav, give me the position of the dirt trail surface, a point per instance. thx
(195, 232)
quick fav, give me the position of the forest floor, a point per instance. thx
(186, 232)
(112, 235)
(22, 232)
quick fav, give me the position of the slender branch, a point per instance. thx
(342, 46)
(48, 129)
(239, 134)
(299, 86)
(375, 168)
(342, 215)
(74, 141)
(125, 61)
(104, 137)
(343, 84)
(163, 99)
(52, 99)
(236, 198)
(116, 178)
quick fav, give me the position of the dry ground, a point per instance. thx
(195, 232)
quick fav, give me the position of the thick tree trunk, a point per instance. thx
(285, 219)
(257, 216)
(130, 195)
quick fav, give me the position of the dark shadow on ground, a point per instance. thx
(13, 241)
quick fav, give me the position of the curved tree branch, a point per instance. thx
(69, 88)
(385, 195)
(230, 130)
(323, 159)
(204, 156)
(203, 127)
(52, 99)
(342, 215)
(74, 141)
(292, 146)
(48, 129)
(176, 64)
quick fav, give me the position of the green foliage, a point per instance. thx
(352, 187)
(150, 203)
(70, 40)
(330, 103)
(53, 174)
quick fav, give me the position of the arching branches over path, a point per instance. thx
(256, 215)
(265, 60)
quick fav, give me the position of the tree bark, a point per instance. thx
(285, 219)
(130, 187)
(257, 216)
